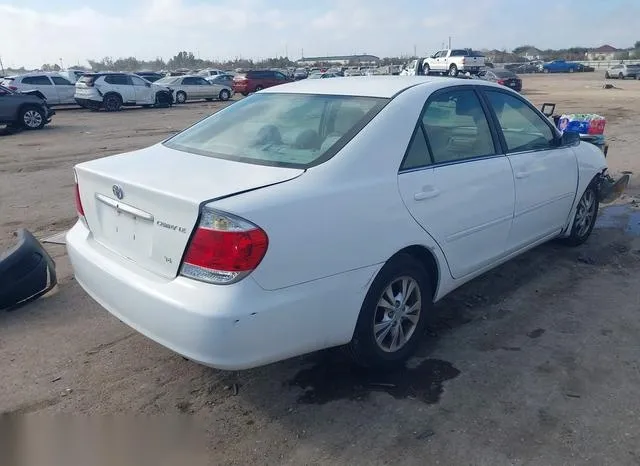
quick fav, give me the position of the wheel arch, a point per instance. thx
(595, 178)
(111, 93)
(26, 105)
(428, 260)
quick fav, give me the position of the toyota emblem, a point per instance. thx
(117, 191)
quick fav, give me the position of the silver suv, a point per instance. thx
(112, 91)
(623, 71)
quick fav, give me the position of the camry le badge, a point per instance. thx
(117, 191)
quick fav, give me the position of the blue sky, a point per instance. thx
(43, 31)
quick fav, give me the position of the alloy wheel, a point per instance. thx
(585, 214)
(32, 119)
(397, 314)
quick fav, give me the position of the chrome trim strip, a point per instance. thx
(124, 208)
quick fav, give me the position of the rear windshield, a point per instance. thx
(504, 73)
(288, 130)
(87, 78)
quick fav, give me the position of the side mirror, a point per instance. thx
(569, 138)
(147, 84)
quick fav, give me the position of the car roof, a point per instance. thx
(362, 86)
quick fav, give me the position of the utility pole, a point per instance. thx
(415, 50)
(61, 65)
(1, 66)
(449, 42)
(286, 50)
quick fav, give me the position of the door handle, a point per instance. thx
(427, 193)
(523, 174)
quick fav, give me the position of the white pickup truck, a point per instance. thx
(453, 61)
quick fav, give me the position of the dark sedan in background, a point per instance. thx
(505, 77)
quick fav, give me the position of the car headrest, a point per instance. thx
(346, 119)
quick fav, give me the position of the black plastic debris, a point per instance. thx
(26, 272)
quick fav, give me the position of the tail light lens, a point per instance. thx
(223, 249)
(79, 207)
(501, 81)
(13, 88)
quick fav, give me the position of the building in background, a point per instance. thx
(341, 60)
(605, 52)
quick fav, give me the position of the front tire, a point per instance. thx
(585, 218)
(258, 89)
(32, 118)
(606, 75)
(393, 315)
(621, 76)
(181, 97)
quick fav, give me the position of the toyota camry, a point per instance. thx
(322, 213)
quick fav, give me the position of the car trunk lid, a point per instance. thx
(144, 205)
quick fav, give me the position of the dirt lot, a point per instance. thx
(534, 363)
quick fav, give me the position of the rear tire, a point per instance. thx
(112, 103)
(606, 75)
(258, 89)
(545, 71)
(32, 117)
(224, 95)
(621, 76)
(393, 315)
(585, 218)
(453, 71)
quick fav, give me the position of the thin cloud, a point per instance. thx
(264, 28)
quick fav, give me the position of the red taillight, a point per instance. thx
(501, 81)
(224, 248)
(79, 208)
(13, 88)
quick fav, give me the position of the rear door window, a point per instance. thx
(37, 80)
(457, 127)
(117, 79)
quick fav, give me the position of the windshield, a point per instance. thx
(289, 130)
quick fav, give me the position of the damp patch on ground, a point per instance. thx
(330, 380)
(621, 217)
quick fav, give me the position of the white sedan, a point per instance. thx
(194, 88)
(324, 213)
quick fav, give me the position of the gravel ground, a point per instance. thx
(534, 363)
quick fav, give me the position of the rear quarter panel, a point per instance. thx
(344, 214)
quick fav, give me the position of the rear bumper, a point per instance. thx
(242, 88)
(234, 327)
(88, 103)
